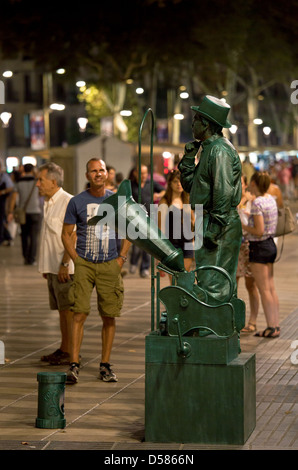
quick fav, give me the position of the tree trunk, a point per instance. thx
(252, 113)
(118, 122)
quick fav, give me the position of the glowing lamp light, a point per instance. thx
(125, 112)
(253, 156)
(29, 159)
(184, 95)
(57, 106)
(7, 74)
(166, 155)
(140, 91)
(5, 117)
(258, 121)
(266, 130)
(233, 129)
(82, 122)
(80, 83)
(60, 71)
(178, 116)
(11, 163)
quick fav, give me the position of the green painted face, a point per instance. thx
(198, 128)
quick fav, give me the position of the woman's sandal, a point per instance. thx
(277, 331)
(270, 331)
(249, 328)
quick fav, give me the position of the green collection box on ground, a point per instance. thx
(189, 401)
(50, 412)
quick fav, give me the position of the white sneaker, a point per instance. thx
(72, 375)
(107, 374)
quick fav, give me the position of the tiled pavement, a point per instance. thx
(103, 416)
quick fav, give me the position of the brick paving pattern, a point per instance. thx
(102, 416)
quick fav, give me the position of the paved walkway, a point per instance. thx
(102, 416)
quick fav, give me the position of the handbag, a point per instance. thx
(19, 213)
(285, 223)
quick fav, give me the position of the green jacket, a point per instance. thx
(215, 182)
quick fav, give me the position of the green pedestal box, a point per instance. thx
(199, 389)
(207, 398)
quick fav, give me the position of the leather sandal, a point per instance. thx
(249, 328)
(270, 330)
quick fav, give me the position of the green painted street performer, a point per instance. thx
(214, 182)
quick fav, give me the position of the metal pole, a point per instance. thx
(149, 110)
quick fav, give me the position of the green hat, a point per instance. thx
(214, 109)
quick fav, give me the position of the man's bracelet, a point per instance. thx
(123, 257)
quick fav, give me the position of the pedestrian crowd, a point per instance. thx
(76, 257)
(285, 175)
(73, 259)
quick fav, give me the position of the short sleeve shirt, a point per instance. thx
(24, 187)
(94, 243)
(5, 181)
(51, 247)
(265, 206)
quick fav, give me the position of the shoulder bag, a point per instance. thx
(19, 213)
(285, 223)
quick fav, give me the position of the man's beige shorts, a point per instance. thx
(107, 279)
(58, 293)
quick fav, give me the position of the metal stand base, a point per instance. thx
(191, 402)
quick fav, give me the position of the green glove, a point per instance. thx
(192, 148)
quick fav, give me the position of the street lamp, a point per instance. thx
(125, 112)
(80, 83)
(7, 74)
(5, 117)
(267, 130)
(82, 122)
(233, 129)
(176, 127)
(57, 107)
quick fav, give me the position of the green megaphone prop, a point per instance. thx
(129, 219)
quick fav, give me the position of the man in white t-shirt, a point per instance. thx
(54, 262)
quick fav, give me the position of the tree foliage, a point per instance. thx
(245, 46)
(118, 40)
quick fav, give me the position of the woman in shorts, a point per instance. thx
(261, 228)
(243, 267)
